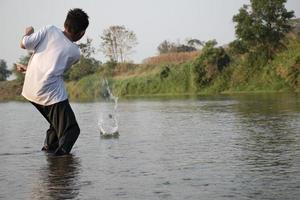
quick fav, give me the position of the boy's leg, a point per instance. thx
(51, 140)
(64, 122)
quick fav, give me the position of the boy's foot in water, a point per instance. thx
(47, 149)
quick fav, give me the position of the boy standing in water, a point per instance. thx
(53, 53)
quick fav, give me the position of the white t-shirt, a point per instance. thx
(53, 54)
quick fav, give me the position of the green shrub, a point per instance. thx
(210, 63)
(84, 67)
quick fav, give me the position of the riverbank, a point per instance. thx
(10, 91)
(281, 74)
(14, 93)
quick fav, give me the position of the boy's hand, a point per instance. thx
(29, 30)
(21, 68)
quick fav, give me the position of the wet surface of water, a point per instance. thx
(238, 147)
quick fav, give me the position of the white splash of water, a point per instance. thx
(108, 123)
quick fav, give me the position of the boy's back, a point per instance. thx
(53, 54)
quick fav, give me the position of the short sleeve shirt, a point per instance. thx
(53, 53)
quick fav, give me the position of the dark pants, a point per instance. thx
(63, 131)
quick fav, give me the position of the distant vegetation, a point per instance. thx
(117, 43)
(4, 72)
(175, 57)
(167, 47)
(264, 57)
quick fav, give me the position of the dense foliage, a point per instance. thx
(212, 61)
(24, 60)
(262, 24)
(4, 72)
(87, 64)
(170, 47)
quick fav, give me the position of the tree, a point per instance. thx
(86, 48)
(185, 48)
(237, 47)
(87, 65)
(212, 61)
(262, 24)
(171, 47)
(24, 60)
(4, 73)
(118, 43)
(195, 43)
(166, 47)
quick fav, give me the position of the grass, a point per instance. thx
(171, 78)
(11, 90)
(128, 80)
(86, 89)
(177, 80)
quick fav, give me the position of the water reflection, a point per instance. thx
(266, 124)
(59, 179)
(267, 142)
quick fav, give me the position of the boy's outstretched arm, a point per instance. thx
(28, 31)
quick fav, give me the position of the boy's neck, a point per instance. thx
(68, 35)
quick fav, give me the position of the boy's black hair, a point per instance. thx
(77, 20)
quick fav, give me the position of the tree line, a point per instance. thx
(260, 28)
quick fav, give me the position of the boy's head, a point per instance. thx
(76, 23)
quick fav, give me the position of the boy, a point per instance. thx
(53, 53)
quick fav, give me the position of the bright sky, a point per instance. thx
(152, 20)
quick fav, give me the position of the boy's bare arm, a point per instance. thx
(28, 31)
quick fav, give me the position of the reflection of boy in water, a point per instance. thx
(53, 53)
(58, 179)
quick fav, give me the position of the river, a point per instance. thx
(223, 147)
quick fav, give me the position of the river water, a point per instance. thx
(225, 147)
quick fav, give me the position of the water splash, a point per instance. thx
(108, 122)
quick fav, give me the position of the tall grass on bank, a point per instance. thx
(169, 80)
(282, 73)
(11, 90)
(86, 89)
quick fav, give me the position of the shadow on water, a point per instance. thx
(59, 178)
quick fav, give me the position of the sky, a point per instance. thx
(153, 21)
